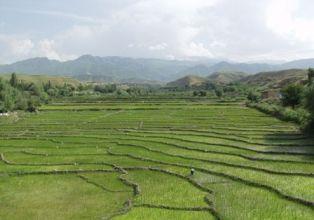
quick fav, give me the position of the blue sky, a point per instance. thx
(242, 30)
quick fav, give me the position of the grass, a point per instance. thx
(118, 159)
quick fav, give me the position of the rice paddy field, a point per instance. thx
(127, 160)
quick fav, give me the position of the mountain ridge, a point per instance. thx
(117, 69)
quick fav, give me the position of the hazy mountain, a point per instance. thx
(38, 65)
(299, 64)
(241, 67)
(93, 68)
(200, 70)
(117, 69)
(251, 68)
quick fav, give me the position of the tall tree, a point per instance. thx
(13, 80)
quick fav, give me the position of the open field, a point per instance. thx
(131, 160)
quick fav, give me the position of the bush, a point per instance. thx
(199, 93)
(21, 103)
(219, 92)
(254, 96)
(300, 116)
(309, 104)
(105, 88)
(292, 95)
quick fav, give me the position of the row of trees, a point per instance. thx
(130, 91)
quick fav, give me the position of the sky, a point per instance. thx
(239, 30)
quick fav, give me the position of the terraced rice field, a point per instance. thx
(122, 160)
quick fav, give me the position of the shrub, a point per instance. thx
(254, 96)
(292, 95)
(309, 104)
(219, 92)
(300, 116)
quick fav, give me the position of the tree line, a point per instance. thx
(16, 94)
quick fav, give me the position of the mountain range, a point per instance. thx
(124, 69)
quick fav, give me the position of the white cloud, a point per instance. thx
(46, 48)
(161, 46)
(20, 47)
(241, 30)
(14, 46)
(196, 50)
(283, 19)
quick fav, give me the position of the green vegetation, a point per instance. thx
(127, 151)
(292, 95)
(132, 159)
(296, 103)
(254, 97)
(42, 79)
(19, 94)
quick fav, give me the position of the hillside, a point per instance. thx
(39, 79)
(189, 81)
(276, 79)
(226, 77)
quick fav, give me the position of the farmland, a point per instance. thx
(132, 160)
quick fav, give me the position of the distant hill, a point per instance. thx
(40, 79)
(298, 64)
(241, 67)
(276, 79)
(252, 68)
(118, 69)
(190, 81)
(226, 77)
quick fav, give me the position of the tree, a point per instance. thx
(21, 102)
(47, 86)
(202, 93)
(292, 95)
(309, 103)
(254, 96)
(105, 88)
(31, 106)
(311, 75)
(309, 99)
(34, 89)
(13, 80)
(219, 92)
